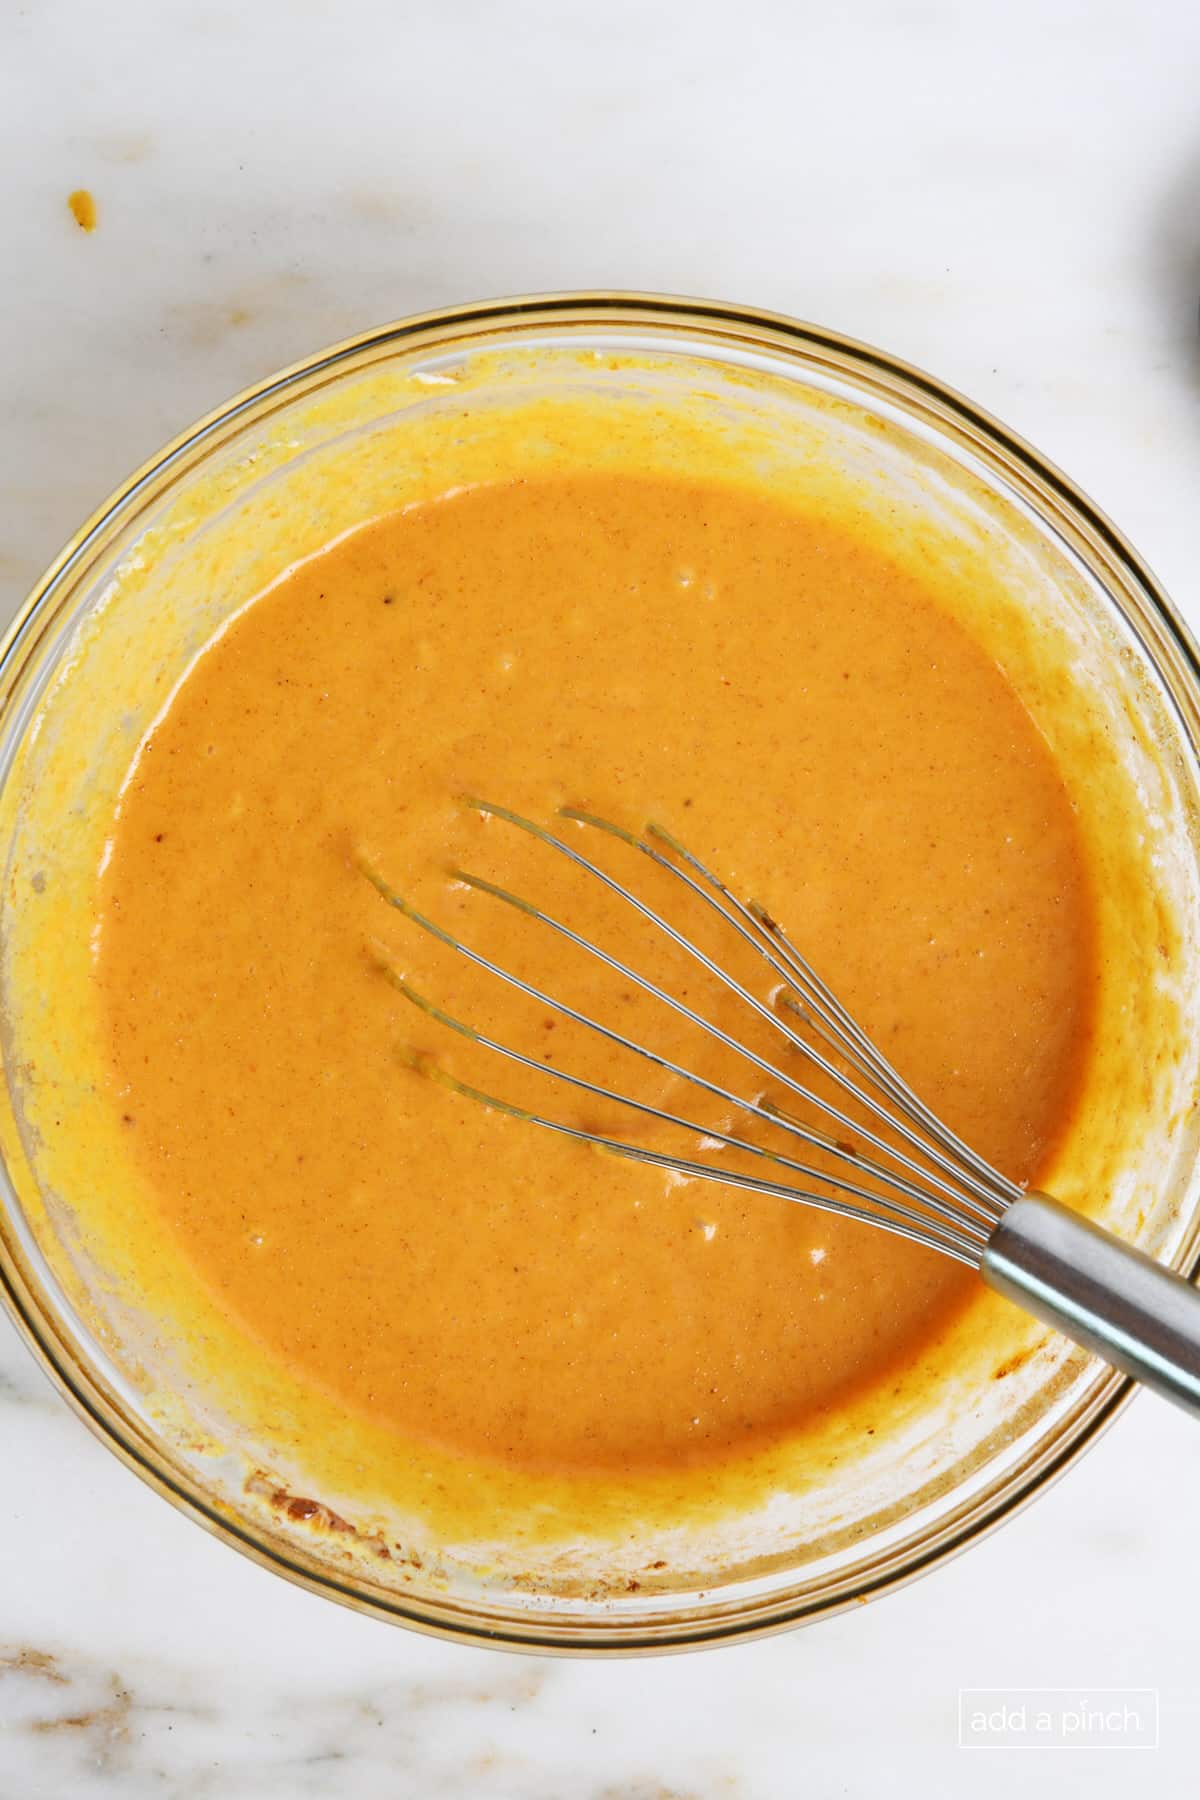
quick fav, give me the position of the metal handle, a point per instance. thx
(1101, 1292)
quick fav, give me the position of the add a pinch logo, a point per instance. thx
(1055, 1718)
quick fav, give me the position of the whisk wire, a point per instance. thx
(832, 1022)
(710, 1133)
(816, 1139)
(898, 1220)
(765, 1067)
(847, 1035)
(946, 1206)
(965, 1185)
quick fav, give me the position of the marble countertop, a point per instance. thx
(1007, 192)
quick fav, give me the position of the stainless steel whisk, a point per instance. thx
(926, 1184)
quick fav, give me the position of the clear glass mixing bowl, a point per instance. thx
(938, 464)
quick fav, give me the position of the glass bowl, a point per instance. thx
(159, 567)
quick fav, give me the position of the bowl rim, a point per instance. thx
(124, 1436)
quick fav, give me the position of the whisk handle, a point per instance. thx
(1107, 1296)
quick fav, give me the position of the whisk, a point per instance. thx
(889, 1162)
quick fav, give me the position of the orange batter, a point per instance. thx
(808, 719)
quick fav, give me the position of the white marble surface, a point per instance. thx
(1007, 191)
